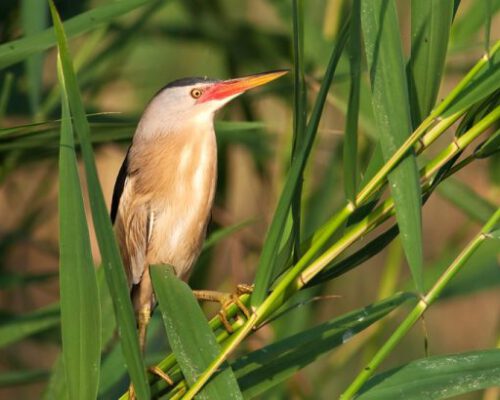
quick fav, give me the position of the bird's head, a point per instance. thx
(189, 100)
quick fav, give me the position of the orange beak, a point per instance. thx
(223, 89)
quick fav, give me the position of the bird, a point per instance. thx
(164, 191)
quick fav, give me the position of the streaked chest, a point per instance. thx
(177, 175)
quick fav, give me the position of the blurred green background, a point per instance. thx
(121, 65)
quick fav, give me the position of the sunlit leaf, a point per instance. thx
(392, 113)
(260, 370)
(112, 262)
(191, 339)
(80, 311)
(438, 377)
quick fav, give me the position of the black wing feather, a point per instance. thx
(118, 189)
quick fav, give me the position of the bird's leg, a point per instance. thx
(142, 303)
(225, 300)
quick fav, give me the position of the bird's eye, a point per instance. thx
(196, 93)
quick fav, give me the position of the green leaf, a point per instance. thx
(265, 270)
(260, 370)
(10, 280)
(5, 94)
(189, 334)
(19, 327)
(34, 17)
(481, 272)
(482, 84)
(465, 30)
(351, 128)
(494, 234)
(26, 377)
(464, 198)
(299, 113)
(438, 377)
(57, 389)
(112, 263)
(80, 312)
(17, 50)
(223, 233)
(490, 146)
(392, 114)
(372, 248)
(430, 29)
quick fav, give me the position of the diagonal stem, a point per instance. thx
(421, 307)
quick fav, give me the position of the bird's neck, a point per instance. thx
(185, 159)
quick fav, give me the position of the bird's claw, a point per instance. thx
(225, 300)
(162, 374)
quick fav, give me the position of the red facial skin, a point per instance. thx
(223, 89)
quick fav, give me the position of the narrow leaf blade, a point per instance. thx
(262, 369)
(351, 127)
(20, 327)
(112, 263)
(299, 113)
(80, 312)
(437, 377)
(430, 30)
(392, 114)
(17, 50)
(34, 16)
(265, 269)
(484, 83)
(189, 334)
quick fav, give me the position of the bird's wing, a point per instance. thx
(132, 219)
(119, 185)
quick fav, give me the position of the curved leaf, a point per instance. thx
(191, 338)
(439, 377)
(17, 50)
(265, 368)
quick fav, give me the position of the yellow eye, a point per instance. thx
(196, 93)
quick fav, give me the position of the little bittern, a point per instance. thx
(165, 187)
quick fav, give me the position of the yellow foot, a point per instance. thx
(162, 374)
(225, 300)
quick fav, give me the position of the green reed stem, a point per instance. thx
(421, 307)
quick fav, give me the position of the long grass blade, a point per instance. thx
(482, 84)
(437, 377)
(57, 387)
(262, 369)
(18, 50)
(191, 339)
(392, 114)
(34, 17)
(265, 270)
(5, 94)
(465, 199)
(80, 312)
(350, 156)
(26, 377)
(19, 327)
(466, 29)
(430, 30)
(112, 262)
(299, 113)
